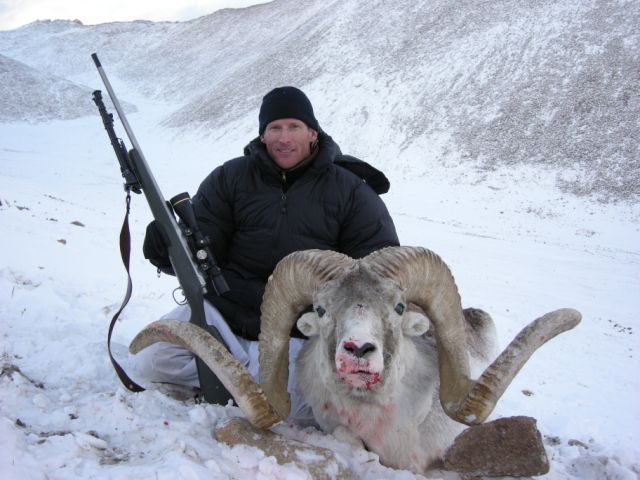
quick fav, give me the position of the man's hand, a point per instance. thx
(155, 248)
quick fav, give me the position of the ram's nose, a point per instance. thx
(358, 349)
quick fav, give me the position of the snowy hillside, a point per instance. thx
(489, 84)
(30, 95)
(509, 131)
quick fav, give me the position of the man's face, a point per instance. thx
(288, 141)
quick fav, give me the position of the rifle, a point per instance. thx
(189, 251)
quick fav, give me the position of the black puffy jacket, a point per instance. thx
(255, 214)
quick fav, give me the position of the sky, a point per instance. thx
(15, 13)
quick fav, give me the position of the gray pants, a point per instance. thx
(168, 363)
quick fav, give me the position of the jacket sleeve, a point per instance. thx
(213, 213)
(212, 204)
(367, 225)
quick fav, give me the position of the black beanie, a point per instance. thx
(286, 102)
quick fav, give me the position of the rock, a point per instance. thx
(321, 463)
(505, 447)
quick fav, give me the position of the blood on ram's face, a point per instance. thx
(355, 371)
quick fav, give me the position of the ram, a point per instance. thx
(376, 371)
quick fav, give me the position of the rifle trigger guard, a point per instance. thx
(182, 301)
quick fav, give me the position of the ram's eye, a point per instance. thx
(320, 311)
(399, 308)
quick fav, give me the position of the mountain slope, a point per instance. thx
(549, 84)
(29, 95)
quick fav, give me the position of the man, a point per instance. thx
(292, 190)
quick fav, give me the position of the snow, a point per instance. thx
(519, 244)
(515, 255)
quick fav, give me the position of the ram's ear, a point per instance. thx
(309, 324)
(414, 323)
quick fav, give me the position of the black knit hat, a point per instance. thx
(286, 102)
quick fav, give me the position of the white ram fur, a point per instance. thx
(394, 408)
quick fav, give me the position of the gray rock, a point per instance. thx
(505, 447)
(321, 463)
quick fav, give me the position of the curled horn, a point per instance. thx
(429, 283)
(289, 290)
(247, 394)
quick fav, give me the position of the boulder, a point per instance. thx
(321, 463)
(505, 447)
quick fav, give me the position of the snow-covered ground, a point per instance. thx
(517, 246)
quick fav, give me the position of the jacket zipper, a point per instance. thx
(283, 209)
